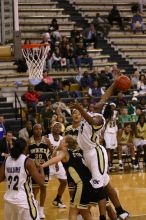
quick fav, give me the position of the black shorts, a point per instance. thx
(46, 172)
(84, 195)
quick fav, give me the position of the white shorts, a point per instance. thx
(139, 142)
(15, 212)
(60, 174)
(110, 140)
(96, 160)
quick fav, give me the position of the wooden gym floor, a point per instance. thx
(130, 187)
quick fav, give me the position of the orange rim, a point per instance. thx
(28, 46)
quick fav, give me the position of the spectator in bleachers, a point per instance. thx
(85, 81)
(85, 103)
(47, 40)
(26, 132)
(142, 4)
(135, 79)
(132, 106)
(56, 59)
(104, 78)
(46, 84)
(125, 144)
(141, 84)
(91, 108)
(31, 98)
(69, 55)
(2, 127)
(137, 23)
(82, 56)
(54, 30)
(76, 36)
(90, 35)
(120, 100)
(46, 115)
(140, 137)
(95, 90)
(6, 143)
(143, 102)
(101, 24)
(123, 116)
(114, 15)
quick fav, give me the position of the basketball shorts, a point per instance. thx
(96, 160)
(139, 142)
(59, 173)
(46, 172)
(15, 212)
(85, 195)
(110, 140)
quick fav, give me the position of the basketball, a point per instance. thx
(123, 83)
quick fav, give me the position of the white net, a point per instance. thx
(35, 58)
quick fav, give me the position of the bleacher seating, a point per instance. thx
(118, 39)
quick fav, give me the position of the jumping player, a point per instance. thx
(94, 154)
(57, 170)
(18, 169)
(39, 149)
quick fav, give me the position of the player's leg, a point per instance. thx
(10, 212)
(43, 190)
(57, 201)
(96, 163)
(144, 156)
(120, 149)
(111, 213)
(26, 214)
(85, 213)
(35, 189)
(73, 212)
(112, 194)
(132, 153)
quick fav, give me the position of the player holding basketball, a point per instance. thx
(39, 149)
(94, 154)
(18, 169)
(57, 170)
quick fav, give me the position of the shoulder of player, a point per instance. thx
(69, 127)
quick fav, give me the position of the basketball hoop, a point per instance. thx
(35, 56)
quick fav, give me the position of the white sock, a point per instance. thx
(120, 161)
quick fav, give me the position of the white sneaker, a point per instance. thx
(41, 212)
(121, 166)
(124, 215)
(59, 204)
(79, 217)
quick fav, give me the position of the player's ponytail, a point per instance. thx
(108, 112)
(18, 148)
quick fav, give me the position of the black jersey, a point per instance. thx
(76, 167)
(38, 151)
(71, 131)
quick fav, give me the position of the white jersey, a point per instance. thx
(111, 126)
(19, 187)
(88, 136)
(54, 143)
(60, 173)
